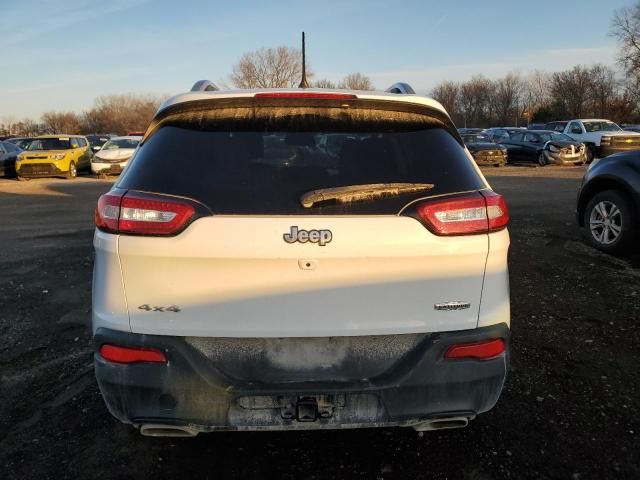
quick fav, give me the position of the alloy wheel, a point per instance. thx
(605, 222)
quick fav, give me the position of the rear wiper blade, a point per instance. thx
(356, 193)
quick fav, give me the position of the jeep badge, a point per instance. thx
(321, 237)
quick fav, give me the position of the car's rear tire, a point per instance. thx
(542, 160)
(610, 222)
(73, 172)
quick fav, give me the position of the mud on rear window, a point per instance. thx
(258, 156)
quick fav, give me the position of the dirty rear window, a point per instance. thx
(260, 157)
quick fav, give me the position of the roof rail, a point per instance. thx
(204, 86)
(400, 87)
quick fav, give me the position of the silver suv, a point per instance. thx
(303, 258)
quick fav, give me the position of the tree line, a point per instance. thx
(582, 91)
(117, 114)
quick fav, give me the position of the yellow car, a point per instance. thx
(54, 155)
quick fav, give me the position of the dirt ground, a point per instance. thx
(569, 409)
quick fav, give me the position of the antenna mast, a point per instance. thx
(303, 82)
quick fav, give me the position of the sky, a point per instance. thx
(62, 54)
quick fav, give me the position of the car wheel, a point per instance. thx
(73, 172)
(610, 222)
(542, 160)
(591, 154)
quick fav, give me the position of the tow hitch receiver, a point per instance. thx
(307, 409)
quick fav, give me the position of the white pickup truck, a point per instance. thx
(602, 137)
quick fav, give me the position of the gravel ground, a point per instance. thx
(569, 409)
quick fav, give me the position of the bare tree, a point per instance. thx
(8, 122)
(120, 113)
(625, 27)
(279, 67)
(356, 81)
(603, 88)
(536, 92)
(505, 97)
(447, 93)
(61, 122)
(571, 90)
(474, 96)
(324, 83)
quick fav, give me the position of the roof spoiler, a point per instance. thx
(400, 87)
(204, 86)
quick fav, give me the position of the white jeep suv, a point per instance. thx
(302, 258)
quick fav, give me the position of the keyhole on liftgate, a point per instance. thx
(308, 264)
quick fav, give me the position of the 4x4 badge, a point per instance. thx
(321, 237)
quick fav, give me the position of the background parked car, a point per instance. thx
(54, 155)
(21, 142)
(536, 126)
(463, 131)
(602, 137)
(544, 147)
(609, 203)
(97, 140)
(497, 134)
(485, 151)
(631, 128)
(114, 155)
(8, 155)
(556, 126)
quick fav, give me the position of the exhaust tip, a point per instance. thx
(151, 430)
(441, 424)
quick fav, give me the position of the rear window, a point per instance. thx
(260, 157)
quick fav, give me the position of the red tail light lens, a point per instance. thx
(108, 211)
(117, 354)
(465, 214)
(141, 214)
(497, 211)
(329, 96)
(479, 350)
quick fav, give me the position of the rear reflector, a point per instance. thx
(479, 350)
(142, 214)
(478, 212)
(117, 354)
(328, 96)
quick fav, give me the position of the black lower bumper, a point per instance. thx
(206, 392)
(111, 170)
(36, 170)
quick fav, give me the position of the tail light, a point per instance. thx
(311, 95)
(118, 354)
(484, 350)
(142, 214)
(478, 212)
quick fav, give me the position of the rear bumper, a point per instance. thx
(192, 390)
(493, 160)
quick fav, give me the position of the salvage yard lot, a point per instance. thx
(569, 409)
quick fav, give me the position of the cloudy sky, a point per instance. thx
(61, 54)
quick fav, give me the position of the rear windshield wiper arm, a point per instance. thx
(356, 193)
